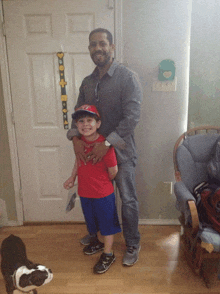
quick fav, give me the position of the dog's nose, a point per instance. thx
(50, 271)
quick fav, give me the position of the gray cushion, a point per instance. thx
(193, 156)
(214, 164)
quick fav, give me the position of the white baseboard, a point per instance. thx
(10, 224)
(159, 222)
(152, 222)
(4, 222)
(13, 224)
(3, 213)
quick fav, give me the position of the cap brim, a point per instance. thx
(75, 114)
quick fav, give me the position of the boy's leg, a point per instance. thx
(107, 258)
(107, 218)
(88, 210)
(108, 243)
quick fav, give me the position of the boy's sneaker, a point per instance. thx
(93, 247)
(86, 240)
(104, 263)
(131, 255)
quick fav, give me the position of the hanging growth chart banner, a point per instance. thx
(63, 84)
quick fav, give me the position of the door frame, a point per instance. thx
(10, 123)
(9, 105)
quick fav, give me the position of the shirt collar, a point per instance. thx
(111, 70)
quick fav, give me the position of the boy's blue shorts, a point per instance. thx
(101, 215)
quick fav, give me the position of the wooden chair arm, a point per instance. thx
(194, 216)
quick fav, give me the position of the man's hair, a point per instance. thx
(84, 114)
(101, 30)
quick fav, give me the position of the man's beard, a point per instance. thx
(106, 60)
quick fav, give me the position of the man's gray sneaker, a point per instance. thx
(131, 255)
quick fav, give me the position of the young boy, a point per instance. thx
(95, 189)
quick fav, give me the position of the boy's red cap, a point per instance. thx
(86, 108)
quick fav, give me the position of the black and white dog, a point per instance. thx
(20, 274)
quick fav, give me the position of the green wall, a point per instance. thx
(204, 90)
(6, 182)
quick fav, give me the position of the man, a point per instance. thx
(116, 92)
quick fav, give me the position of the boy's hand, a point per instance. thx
(79, 146)
(98, 151)
(69, 183)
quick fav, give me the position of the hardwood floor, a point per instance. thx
(161, 267)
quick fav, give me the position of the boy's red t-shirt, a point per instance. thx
(93, 180)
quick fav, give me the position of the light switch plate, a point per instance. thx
(169, 186)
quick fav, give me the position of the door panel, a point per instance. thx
(35, 32)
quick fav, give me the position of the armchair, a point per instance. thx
(192, 152)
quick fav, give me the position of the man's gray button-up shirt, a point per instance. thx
(118, 97)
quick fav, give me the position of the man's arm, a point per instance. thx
(81, 100)
(73, 134)
(79, 149)
(131, 106)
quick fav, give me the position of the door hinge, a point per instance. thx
(111, 4)
(12, 118)
(3, 29)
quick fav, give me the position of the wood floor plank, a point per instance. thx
(161, 267)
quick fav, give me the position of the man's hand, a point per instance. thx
(99, 150)
(79, 147)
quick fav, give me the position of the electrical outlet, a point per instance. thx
(165, 86)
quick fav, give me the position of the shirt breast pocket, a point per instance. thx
(111, 97)
(89, 92)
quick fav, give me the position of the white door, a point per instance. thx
(35, 31)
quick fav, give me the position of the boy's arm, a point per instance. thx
(75, 169)
(70, 182)
(112, 172)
